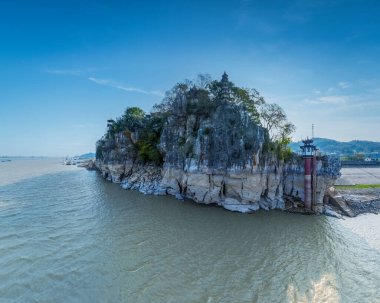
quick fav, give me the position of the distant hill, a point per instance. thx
(87, 156)
(330, 146)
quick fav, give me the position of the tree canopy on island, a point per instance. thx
(200, 98)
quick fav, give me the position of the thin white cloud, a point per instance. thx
(70, 72)
(332, 100)
(74, 72)
(369, 82)
(99, 81)
(157, 93)
(114, 84)
(344, 85)
(333, 89)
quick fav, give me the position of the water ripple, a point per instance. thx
(73, 237)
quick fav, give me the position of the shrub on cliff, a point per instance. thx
(143, 132)
(133, 119)
(148, 153)
(199, 102)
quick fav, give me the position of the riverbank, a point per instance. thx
(358, 189)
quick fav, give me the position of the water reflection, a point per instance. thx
(325, 290)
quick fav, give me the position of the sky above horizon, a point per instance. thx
(68, 66)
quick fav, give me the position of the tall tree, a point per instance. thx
(273, 118)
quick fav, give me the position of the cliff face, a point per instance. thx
(218, 157)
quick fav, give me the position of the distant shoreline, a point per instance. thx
(26, 157)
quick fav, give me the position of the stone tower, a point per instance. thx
(225, 93)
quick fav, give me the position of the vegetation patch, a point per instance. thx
(357, 186)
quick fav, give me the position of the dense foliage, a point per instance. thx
(148, 128)
(201, 98)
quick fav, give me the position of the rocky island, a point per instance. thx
(214, 143)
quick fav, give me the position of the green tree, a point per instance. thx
(274, 119)
(250, 99)
(165, 107)
(133, 119)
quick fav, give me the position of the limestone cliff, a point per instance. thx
(218, 156)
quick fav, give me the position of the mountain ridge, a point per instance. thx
(331, 146)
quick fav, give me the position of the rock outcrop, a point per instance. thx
(217, 157)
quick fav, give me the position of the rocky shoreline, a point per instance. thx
(362, 201)
(372, 207)
(241, 191)
(352, 202)
(148, 180)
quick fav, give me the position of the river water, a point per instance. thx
(67, 235)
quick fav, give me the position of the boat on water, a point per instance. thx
(69, 161)
(75, 160)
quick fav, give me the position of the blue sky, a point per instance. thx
(68, 66)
